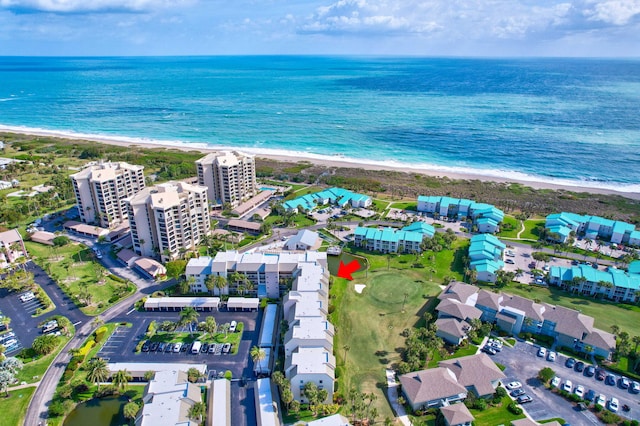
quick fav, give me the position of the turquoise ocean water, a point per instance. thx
(558, 120)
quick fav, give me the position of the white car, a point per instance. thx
(555, 381)
(514, 385)
(601, 400)
(27, 297)
(10, 343)
(579, 391)
(551, 356)
(232, 327)
(613, 405)
(542, 352)
(177, 347)
(567, 386)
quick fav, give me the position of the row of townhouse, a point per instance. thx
(460, 303)
(561, 225)
(11, 248)
(614, 284)
(308, 343)
(268, 273)
(337, 196)
(485, 217)
(485, 256)
(390, 240)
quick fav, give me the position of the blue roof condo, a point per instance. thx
(337, 196)
(389, 239)
(560, 226)
(486, 217)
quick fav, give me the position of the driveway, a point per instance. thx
(523, 365)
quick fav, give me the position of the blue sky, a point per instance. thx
(363, 27)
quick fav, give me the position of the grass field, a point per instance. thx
(512, 223)
(14, 408)
(300, 220)
(370, 324)
(530, 231)
(404, 205)
(72, 267)
(605, 313)
(495, 415)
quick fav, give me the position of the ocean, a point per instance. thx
(565, 121)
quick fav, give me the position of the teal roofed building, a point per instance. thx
(389, 240)
(560, 225)
(337, 196)
(421, 227)
(613, 284)
(485, 255)
(485, 217)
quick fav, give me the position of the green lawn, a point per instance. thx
(514, 227)
(531, 229)
(495, 415)
(381, 204)
(72, 268)
(462, 351)
(303, 191)
(14, 408)
(555, 419)
(370, 324)
(300, 220)
(605, 313)
(405, 205)
(183, 337)
(34, 370)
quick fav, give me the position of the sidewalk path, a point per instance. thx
(392, 394)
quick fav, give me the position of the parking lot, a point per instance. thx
(522, 364)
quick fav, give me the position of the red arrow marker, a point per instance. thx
(345, 271)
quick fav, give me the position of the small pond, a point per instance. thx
(98, 412)
(334, 261)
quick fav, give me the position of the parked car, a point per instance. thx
(624, 382)
(635, 387)
(204, 348)
(551, 356)
(590, 395)
(496, 344)
(177, 347)
(514, 385)
(567, 386)
(590, 371)
(555, 381)
(613, 405)
(579, 366)
(186, 347)
(579, 390)
(9, 343)
(145, 346)
(488, 349)
(161, 346)
(601, 400)
(509, 261)
(154, 346)
(232, 327)
(27, 297)
(542, 352)
(523, 399)
(600, 374)
(570, 362)
(226, 348)
(516, 393)
(168, 348)
(610, 380)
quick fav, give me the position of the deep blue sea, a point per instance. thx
(558, 120)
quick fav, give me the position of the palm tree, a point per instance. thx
(257, 355)
(346, 348)
(187, 316)
(220, 283)
(615, 329)
(131, 410)
(121, 379)
(209, 325)
(636, 341)
(197, 411)
(97, 371)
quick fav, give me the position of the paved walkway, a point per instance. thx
(26, 385)
(392, 394)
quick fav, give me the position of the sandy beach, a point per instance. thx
(330, 162)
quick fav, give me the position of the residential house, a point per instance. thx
(11, 248)
(310, 364)
(304, 240)
(559, 227)
(457, 415)
(388, 240)
(336, 196)
(435, 387)
(613, 284)
(485, 256)
(477, 373)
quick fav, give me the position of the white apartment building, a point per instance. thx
(310, 364)
(267, 272)
(168, 219)
(230, 176)
(101, 190)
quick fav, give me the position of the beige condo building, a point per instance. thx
(168, 219)
(101, 189)
(230, 176)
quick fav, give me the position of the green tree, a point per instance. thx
(175, 268)
(257, 355)
(209, 325)
(97, 371)
(198, 411)
(187, 316)
(193, 374)
(546, 374)
(130, 410)
(45, 344)
(121, 379)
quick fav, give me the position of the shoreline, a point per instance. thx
(320, 160)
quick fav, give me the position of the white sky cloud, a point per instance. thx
(83, 6)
